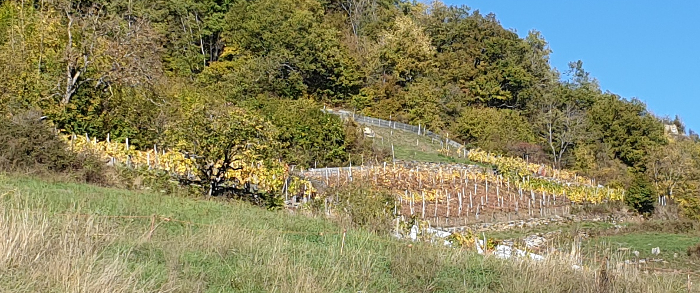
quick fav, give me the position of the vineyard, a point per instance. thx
(456, 194)
(452, 194)
(276, 179)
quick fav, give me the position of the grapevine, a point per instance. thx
(177, 163)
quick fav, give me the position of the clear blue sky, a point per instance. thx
(644, 49)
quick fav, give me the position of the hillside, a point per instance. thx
(205, 117)
(166, 76)
(80, 238)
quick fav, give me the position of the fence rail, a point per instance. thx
(393, 125)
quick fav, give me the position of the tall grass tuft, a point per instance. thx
(42, 254)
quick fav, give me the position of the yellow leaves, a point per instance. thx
(574, 186)
(405, 27)
(464, 239)
(267, 179)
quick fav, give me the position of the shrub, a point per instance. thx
(30, 144)
(492, 129)
(641, 196)
(694, 251)
(363, 206)
(312, 137)
(360, 149)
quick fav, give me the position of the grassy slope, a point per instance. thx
(412, 147)
(232, 247)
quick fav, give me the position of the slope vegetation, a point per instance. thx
(79, 238)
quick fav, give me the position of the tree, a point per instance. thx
(493, 129)
(560, 121)
(672, 165)
(310, 137)
(640, 196)
(492, 65)
(305, 56)
(192, 31)
(626, 127)
(423, 104)
(222, 139)
(406, 52)
(104, 49)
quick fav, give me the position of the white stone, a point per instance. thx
(655, 251)
(414, 233)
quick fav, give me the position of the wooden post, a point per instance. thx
(471, 206)
(342, 243)
(486, 179)
(286, 189)
(155, 155)
(436, 206)
(459, 213)
(128, 159)
(423, 210)
(411, 204)
(153, 226)
(400, 204)
(393, 156)
(448, 206)
(520, 191)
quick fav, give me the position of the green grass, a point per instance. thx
(673, 248)
(409, 146)
(234, 247)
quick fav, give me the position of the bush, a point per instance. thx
(360, 149)
(641, 196)
(493, 130)
(312, 137)
(363, 206)
(30, 144)
(694, 251)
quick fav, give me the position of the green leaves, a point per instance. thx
(493, 129)
(305, 55)
(641, 196)
(222, 139)
(627, 127)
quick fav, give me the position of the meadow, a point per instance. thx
(68, 237)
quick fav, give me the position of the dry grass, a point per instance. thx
(39, 254)
(238, 248)
(556, 274)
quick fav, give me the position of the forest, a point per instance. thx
(226, 73)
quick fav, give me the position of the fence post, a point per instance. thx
(342, 243)
(155, 155)
(423, 210)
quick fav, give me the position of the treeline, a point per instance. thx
(135, 68)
